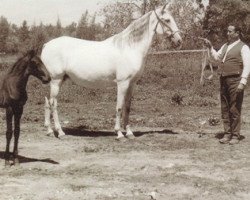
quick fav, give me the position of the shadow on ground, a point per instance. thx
(23, 159)
(83, 132)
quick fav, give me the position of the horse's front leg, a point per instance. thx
(122, 88)
(18, 111)
(47, 116)
(9, 116)
(128, 97)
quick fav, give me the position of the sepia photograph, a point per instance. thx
(124, 99)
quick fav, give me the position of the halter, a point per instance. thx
(162, 23)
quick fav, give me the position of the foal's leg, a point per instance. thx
(121, 92)
(54, 90)
(9, 116)
(18, 111)
(128, 97)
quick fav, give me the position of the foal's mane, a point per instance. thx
(18, 63)
(134, 32)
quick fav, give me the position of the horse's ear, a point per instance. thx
(165, 6)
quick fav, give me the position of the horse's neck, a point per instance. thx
(151, 32)
(141, 37)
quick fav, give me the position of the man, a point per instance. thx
(234, 69)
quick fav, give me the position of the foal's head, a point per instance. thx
(166, 25)
(36, 67)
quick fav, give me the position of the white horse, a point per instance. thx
(116, 60)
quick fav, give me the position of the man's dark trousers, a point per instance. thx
(231, 104)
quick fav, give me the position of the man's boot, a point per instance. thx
(235, 139)
(226, 138)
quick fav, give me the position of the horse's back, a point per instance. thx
(82, 60)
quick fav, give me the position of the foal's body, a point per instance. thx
(116, 60)
(13, 95)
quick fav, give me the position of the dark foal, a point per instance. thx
(13, 96)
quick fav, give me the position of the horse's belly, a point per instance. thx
(93, 82)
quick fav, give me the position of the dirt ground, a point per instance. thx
(172, 157)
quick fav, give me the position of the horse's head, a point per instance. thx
(166, 25)
(37, 68)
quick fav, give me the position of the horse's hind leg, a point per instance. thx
(9, 116)
(18, 111)
(54, 90)
(129, 133)
(122, 88)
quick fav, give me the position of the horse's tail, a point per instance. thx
(46, 101)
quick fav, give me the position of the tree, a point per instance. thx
(12, 41)
(189, 16)
(49, 30)
(93, 29)
(223, 13)
(4, 33)
(39, 36)
(58, 29)
(71, 29)
(82, 26)
(23, 33)
(117, 17)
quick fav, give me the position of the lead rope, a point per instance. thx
(205, 61)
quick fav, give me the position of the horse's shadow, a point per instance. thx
(23, 159)
(83, 132)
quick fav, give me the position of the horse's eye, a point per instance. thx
(167, 20)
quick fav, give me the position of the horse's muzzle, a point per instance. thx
(177, 44)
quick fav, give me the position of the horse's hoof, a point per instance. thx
(50, 134)
(130, 136)
(61, 136)
(7, 164)
(16, 162)
(121, 139)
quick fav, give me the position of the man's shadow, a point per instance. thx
(23, 159)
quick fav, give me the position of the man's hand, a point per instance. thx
(240, 87)
(207, 43)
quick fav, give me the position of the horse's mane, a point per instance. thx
(134, 32)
